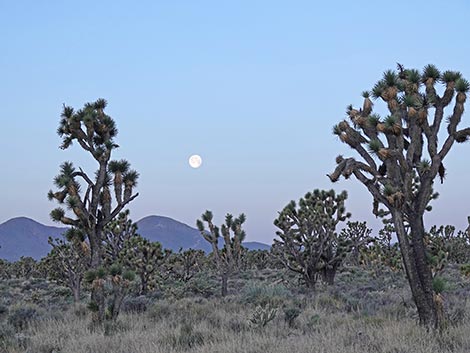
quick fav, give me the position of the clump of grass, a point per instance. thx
(259, 294)
(20, 316)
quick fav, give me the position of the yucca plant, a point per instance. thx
(91, 209)
(263, 315)
(228, 259)
(403, 181)
(308, 243)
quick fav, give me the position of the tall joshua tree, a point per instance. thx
(228, 259)
(308, 243)
(401, 157)
(91, 210)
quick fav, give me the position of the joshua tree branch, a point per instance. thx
(119, 208)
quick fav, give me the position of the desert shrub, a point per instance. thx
(62, 292)
(7, 333)
(159, 311)
(313, 321)
(135, 304)
(237, 325)
(201, 285)
(80, 310)
(3, 310)
(258, 294)
(114, 327)
(21, 315)
(290, 314)
(186, 338)
(439, 284)
(328, 303)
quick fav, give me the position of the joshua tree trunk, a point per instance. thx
(224, 284)
(118, 298)
(143, 284)
(76, 291)
(95, 248)
(417, 269)
(329, 275)
(97, 293)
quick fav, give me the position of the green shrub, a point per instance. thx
(159, 311)
(439, 284)
(7, 332)
(20, 316)
(263, 294)
(135, 304)
(290, 314)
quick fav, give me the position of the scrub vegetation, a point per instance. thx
(327, 284)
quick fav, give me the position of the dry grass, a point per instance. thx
(359, 314)
(223, 326)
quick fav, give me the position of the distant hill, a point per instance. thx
(25, 237)
(171, 234)
(175, 235)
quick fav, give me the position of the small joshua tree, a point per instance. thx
(115, 236)
(68, 261)
(25, 267)
(145, 258)
(228, 259)
(308, 243)
(111, 286)
(92, 209)
(401, 156)
(5, 269)
(383, 252)
(359, 237)
(185, 264)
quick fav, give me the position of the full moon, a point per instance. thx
(195, 161)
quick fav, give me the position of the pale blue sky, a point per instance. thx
(254, 87)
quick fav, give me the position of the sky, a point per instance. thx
(254, 87)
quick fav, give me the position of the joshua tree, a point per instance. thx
(445, 245)
(68, 261)
(259, 260)
(383, 253)
(115, 236)
(401, 157)
(25, 267)
(309, 244)
(110, 285)
(145, 258)
(228, 259)
(5, 269)
(359, 237)
(92, 210)
(185, 264)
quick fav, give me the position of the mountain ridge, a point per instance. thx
(23, 236)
